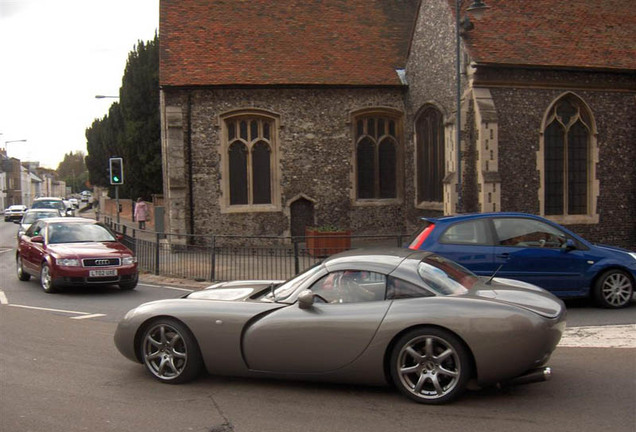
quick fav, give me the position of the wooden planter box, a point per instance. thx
(325, 243)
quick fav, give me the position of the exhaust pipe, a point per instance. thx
(532, 376)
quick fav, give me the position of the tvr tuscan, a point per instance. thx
(397, 316)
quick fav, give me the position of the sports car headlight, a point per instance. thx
(632, 254)
(128, 260)
(68, 262)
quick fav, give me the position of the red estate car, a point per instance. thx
(69, 251)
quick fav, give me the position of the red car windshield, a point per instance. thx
(78, 233)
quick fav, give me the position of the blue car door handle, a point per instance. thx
(505, 256)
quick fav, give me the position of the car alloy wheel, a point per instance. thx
(170, 352)
(614, 289)
(430, 366)
(22, 275)
(46, 280)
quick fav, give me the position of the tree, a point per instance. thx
(132, 128)
(73, 171)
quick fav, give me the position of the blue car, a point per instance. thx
(535, 250)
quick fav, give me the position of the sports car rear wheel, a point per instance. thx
(614, 289)
(170, 352)
(430, 366)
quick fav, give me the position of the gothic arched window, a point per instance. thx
(567, 159)
(429, 133)
(377, 150)
(251, 163)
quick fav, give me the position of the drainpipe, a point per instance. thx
(190, 176)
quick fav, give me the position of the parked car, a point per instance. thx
(54, 203)
(410, 318)
(74, 202)
(74, 251)
(14, 212)
(33, 215)
(535, 250)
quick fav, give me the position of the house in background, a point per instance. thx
(276, 116)
(12, 185)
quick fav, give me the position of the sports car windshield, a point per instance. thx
(445, 276)
(288, 288)
(78, 233)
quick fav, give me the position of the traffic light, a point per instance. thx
(116, 169)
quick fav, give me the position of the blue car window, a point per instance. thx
(528, 233)
(471, 232)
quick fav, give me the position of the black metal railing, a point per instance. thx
(224, 257)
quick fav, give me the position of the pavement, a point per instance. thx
(152, 279)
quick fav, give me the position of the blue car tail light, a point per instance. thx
(416, 244)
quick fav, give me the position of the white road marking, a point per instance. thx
(88, 316)
(3, 298)
(50, 309)
(611, 336)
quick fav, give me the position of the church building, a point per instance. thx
(281, 115)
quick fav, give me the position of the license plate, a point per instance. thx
(102, 273)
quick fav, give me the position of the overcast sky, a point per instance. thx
(55, 56)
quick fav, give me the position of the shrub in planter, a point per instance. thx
(327, 240)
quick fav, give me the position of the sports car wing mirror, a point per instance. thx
(570, 245)
(306, 299)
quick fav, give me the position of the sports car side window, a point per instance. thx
(470, 233)
(351, 286)
(401, 289)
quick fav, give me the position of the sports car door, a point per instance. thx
(322, 338)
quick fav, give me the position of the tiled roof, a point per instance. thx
(268, 42)
(556, 33)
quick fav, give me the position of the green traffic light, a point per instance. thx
(116, 179)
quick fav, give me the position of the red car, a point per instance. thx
(68, 251)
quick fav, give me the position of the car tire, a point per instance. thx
(46, 280)
(614, 289)
(170, 352)
(22, 275)
(430, 366)
(127, 286)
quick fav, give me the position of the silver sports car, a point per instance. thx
(391, 316)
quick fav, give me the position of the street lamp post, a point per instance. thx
(477, 8)
(12, 141)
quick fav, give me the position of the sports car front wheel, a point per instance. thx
(170, 352)
(430, 365)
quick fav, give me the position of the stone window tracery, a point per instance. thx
(567, 156)
(377, 148)
(250, 162)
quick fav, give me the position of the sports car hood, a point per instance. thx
(233, 291)
(521, 294)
